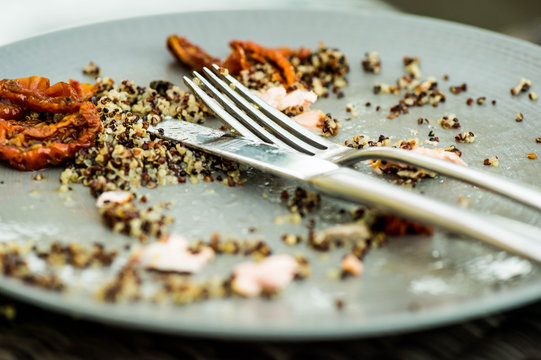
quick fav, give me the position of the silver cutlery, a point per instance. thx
(287, 160)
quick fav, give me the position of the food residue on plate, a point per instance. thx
(98, 132)
(173, 255)
(268, 276)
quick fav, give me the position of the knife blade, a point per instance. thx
(260, 155)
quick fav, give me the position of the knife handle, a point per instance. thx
(350, 185)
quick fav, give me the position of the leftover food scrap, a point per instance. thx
(43, 125)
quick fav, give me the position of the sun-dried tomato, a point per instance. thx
(244, 54)
(36, 93)
(35, 144)
(397, 226)
(190, 54)
(9, 110)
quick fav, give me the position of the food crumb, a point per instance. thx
(532, 156)
(492, 161)
(92, 70)
(520, 117)
(411, 66)
(449, 122)
(291, 239)
(339, 304)
(532, 96)
(481, 100)
(538, 139)
(457, 89)
(464, 202)
(38, 177)
(469, 101)
(371, 62)
(523, 86)
(350, 108)
(465, 137)
(351, 266)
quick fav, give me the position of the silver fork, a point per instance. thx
(343, 182)
(255, 119)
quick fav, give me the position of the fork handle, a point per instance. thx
(348, 184)
(497, 184)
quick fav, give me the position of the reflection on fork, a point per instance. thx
(253, 118)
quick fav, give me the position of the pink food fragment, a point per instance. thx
(278, 98)
(440, 154)
(311, 120)
(272, 274)
(351, 265)
(117, 197)
(173, 255)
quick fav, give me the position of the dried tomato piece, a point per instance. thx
(243, 56)
(277, 57)
(36, 93)
(397, 226)
(189, 54)
(35, 144)
(9, 110)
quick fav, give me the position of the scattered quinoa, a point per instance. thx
(302, 202)
(457, 89)
(92, 70)
(126, 156)
(14, 265)
(532, 156)
(324, 70)
(449, 122)
(129, 219)
(492, 161)
(350, 108)
(411, 66)
(465, 137)
(532, 96)
(522, 86)
(381, 88)
(520, 117)
(371, 62)
(77, 255)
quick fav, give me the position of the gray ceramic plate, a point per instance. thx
(409, 284)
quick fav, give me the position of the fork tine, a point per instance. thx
(236, 118)
(290, 126)
(260, 117)
(218, 110)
